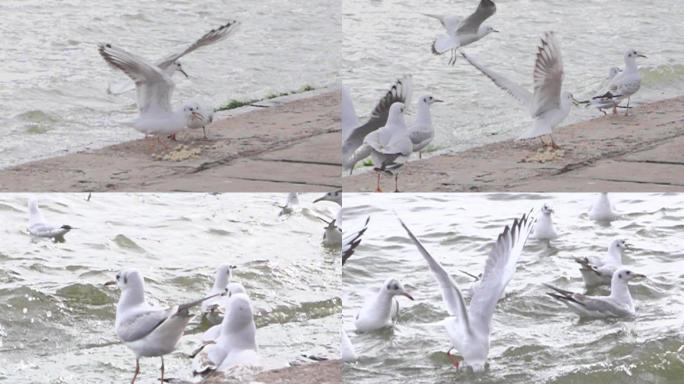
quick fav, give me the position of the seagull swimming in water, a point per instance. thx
(462, 32)
(38, 227)
(211, 308)
(543, 228)
(596, 271)
(618, 304)
(381, 310)
(602, 210)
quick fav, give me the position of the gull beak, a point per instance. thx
(110, 283)
(319, 199)
(495, 30)
(639, 276)
(184, 74)
(640, 55)
(404, 293)
(437, 101)
(324, 220)
(575, 102)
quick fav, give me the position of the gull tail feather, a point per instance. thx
(443, 44)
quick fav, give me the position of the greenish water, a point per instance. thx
(57, 318)
(534, 339)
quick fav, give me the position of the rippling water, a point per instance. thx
(385, 39)
(534, 339)
(53, 81)
(57, 318)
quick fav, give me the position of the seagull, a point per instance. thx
(381, 310)
(597, 271)
(210, 335)
(543, 229)
(171, 64)
(210, 308)
(332, 237)
(421, 131)
(353, 132)
(627, 82)
(602, 210)
(38, 227)
(203, 116)
(462, 32)
(290, 205)
(548, 106)
(469, 328)
(617, 304)
(155, 87)
(347, 352)
(236, 343)
(148, 331)
(335, 197)
(351, 240)
(387, 145)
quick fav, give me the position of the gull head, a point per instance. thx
(127, 279)
(396, 109)
(192, 112)
(429, 100)
(626, 275)
(569, 98)
(394, 288)
(619, 246)
(179, 67)
(485, 30)
(613, 71)
(546, 209)
(67, 227)
(631, 56)
(235, 288)
(330, 196)
(239, 311)
(223, 275)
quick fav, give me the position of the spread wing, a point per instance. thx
(499, 270)
(399, 92)
(352, 240)
(513, 89)
(211, 37)
(35, 216)
(153, 86)
(548, 75)
(472, 23)
(453, 299)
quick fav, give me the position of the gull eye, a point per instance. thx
(620, 275)
(628, 273)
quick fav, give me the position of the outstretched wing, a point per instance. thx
(399, 92)
(453, 299)
(211, 37)
(352, 240)
(472, 23)
(138, 325)
(153, 86)
(513, 89)
(548, 75)
(499, 270)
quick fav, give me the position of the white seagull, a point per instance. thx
(334, 196)
(38, 227)
(548, 106)
(543, 228)
(353, 132)
(596, 271)
(421, 130)
(155, 87)
(381, 310)
(210, 335)
(290, 204)
(602, 210)
(171, 64)
(332, 237)
(351, 240)
(462, 32)
(203, 117)
(627, 82)
(618, 304)
(387, 146)
(212, 307)
(236, 343)
(469, 328)
(148, 331)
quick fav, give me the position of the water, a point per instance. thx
(534, 339)
(53, 81)
(385, 39)
(57, 318)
